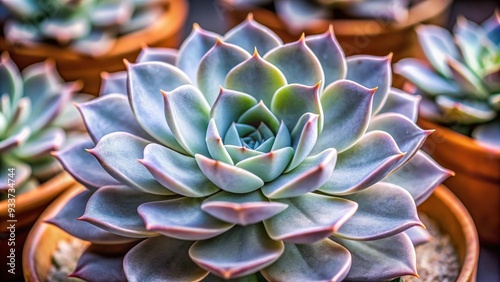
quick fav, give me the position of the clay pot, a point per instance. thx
(356, 36)
(72, 66)
(28, 207)
(442, 206)
(477, 176)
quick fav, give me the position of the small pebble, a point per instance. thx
(64, 260)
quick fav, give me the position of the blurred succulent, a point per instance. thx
(86, 26)
(221, 164)
(35, 112)
(461, 86)
(298, 14)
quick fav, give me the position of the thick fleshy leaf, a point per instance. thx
(465, 111)
(40, 145)
(193, 49)
(187, 114)
(268, 166)
(96, 43)
(179, 173)
(468, 81)
(232, 138)
(99, 268)
(215, 66)
(65, 29)
(251, 35)
(330, 54)
(238, 252)
(425, 78)
(113, 83)
(146, 263)
(372, 72)
(66, 219)
(364, 164)
(108, 114)
(402, 103)
(468, 36)
(118, 153)
(419, 176)
(260, 113)
(297, 62)
(299, 15)
(228, 108)
(291, 102)
(46, 111)
(321, 261)
(182, 219)
(15, 140)
(346, 104)
(145, 80)
(18, 118)
(309, 218)
(304, 136)
(114, 208)
(488, 134)
(227, 177)
(83, 166)
(215, 145)
(240, 153)
(418, 235)
(12, 82)
(242, 209)
(283, 138)
(311, 174)
(41, 80)
(383, 210)
(256, 77)
(166, 55)
(437, 44)
(105, 14)
(380, 260)
(408, 136)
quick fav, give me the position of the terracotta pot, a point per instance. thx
(28, 207)
(442, 206)
(477, 176)
(165, 32)
(357, 36)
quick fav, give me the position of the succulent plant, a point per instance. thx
(298, 14)
(35, 115)
(286, 165)
(86, 26)
(461, 85)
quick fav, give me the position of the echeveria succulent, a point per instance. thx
(291, 164)
(298, 14)
(35, 116)
(86, 26)
(461, 86)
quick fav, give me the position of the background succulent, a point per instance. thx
(35, 114)
(222, 164)
(87, 26)
(461, 86)
(298, 14)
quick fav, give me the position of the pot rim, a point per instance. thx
(164, 26)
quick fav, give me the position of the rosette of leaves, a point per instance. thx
(298, 14)
(87, 26)
(461, 85)
(291, 164)
(35, 116)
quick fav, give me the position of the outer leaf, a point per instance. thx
(402, 103)
(228, 178)
(330, 54)
(145, 263)
(383, 210)
(238, 252)
(145, 80)
(346, 104)
(12, 82)
(46, 111)
(308, 176)
(321, 261)
(40, 145)
(488, 134)
(166, 55)
(297, 62)
(242, 209)
(108, 114)
(187, 114)
(114, 209)
(380, 260)
(118, 154)
(215, 66)
(464, 111)
(99, 268)
(256, 77)
(113, 83)
(468, 81)
(182, 219)
(437, 44)
(177, 172)
(251, 35)
(365, 164)
(309, 218)
(372, 71)
(15, 140)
